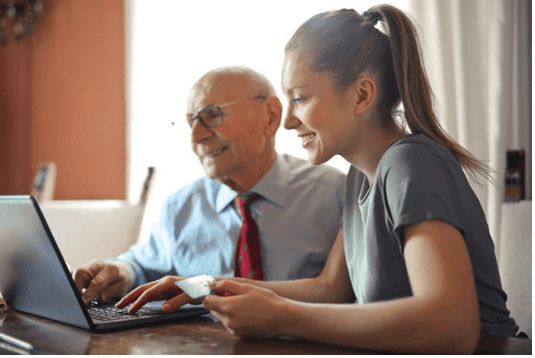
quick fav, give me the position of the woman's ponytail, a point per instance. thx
(413, 84)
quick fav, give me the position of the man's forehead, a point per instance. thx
(218, 88)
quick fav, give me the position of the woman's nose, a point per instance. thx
(290, 121)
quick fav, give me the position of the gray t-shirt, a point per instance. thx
(416, 180)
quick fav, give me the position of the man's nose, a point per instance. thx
(199, 132)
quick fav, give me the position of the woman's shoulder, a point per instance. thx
(417, 148)
(417, 143)
(417, 155)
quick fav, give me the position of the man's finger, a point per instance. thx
(85, 274)
(98, 283)
(82, 278)
(114, 290)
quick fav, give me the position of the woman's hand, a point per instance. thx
(162, 289)
(246, 310)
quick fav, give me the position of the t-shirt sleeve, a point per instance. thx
(419, 185)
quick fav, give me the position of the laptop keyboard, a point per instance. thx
(105, 312)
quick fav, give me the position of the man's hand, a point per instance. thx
(102, 280)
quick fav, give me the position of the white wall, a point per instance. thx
(170, 44)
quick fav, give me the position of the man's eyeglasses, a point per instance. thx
(210, 115)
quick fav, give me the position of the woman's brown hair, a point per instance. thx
(343, 44)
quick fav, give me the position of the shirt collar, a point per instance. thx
(272, 186)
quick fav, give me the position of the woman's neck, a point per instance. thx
(373, 147)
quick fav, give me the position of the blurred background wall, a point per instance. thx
(62, 100)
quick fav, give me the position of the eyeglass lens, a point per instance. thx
(210, 116)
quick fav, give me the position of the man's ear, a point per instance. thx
(365, 92)
(274, 108)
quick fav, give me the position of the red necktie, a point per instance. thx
(248, 261)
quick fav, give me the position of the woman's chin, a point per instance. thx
(315, 158)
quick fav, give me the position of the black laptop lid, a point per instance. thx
(33, 274)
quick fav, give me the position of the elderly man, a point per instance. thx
(234, 115)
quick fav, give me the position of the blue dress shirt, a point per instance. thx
(298, 215)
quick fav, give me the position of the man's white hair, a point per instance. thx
(260, 82)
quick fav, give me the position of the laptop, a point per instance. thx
(34, 277)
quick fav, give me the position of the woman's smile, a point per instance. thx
(307, 139)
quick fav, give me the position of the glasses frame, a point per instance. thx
(192, 118)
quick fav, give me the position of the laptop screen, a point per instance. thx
(33, 275)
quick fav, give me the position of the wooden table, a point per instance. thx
(199, 335)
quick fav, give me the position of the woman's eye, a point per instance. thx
(297, 100)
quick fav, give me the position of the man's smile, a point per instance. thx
(214, 153)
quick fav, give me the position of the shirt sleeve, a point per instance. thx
(150, 260)
(419, 185)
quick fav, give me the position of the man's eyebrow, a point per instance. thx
(193, 111)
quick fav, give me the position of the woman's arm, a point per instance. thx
(441, 317)
(332, 285)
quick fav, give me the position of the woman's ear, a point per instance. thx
(274, 108)
(365, 92)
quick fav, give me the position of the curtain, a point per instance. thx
(477, 55)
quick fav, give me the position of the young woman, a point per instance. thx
(415, 268)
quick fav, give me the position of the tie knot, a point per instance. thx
(243, 204)
(246, 200)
